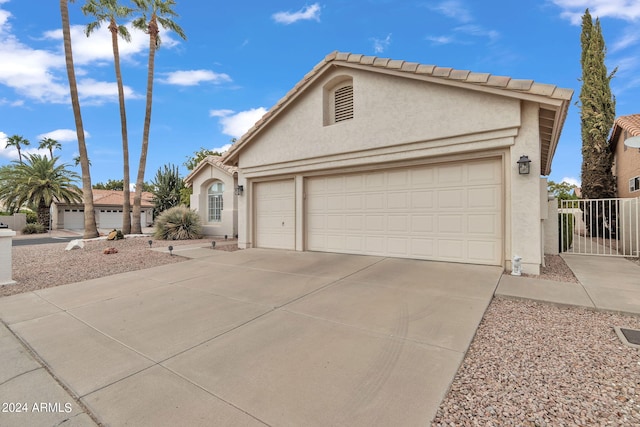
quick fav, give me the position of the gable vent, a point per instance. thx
(344, 103)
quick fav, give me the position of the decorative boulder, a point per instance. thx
(108, 251)
(74, 244)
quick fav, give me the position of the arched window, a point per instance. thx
(214, 195)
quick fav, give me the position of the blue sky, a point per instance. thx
(242, 56)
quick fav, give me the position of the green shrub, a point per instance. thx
(565, 224)
(178, 223)
(33, 229)
(32, 217)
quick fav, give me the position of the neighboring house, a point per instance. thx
(384, 157)
(214, 197)
(108, 208)
(626, 160)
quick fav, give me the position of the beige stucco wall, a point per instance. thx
(400, 122)
(387, 111)
(551, 231)
(199, 201)
(627, 166)
(523, 196)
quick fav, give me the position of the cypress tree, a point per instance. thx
(597, 114)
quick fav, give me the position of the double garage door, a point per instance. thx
(447, 212)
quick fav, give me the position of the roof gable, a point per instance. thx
(551, 118)
(214, 161)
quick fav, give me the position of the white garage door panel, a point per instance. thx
(446, 212)
(275, 216)
(73, 219)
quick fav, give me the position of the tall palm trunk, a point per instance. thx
(126, 204)
(136, 226)
(90, 229)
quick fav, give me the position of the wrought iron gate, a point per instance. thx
(600, 227)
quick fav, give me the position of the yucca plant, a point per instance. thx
(178, 223)
(33, 229)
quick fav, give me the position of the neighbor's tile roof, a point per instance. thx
(630, 123)
(517, 87)
(216, 161)
(116, 198)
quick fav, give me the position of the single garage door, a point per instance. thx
(274, 214)
(447, 212)
(110, 218)
(73, 219)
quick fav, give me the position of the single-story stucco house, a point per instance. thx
(214, 197)
(384, 157)
(107, 205)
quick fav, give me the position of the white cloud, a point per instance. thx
(237, 124)
(441, 40)
(195, 77)
(628, 10)
(62, 135)
(307, 13)
(220, 113)
(571, 181)
(380, 45)
(222, 149)
(477, 31)
(454, 9)
(630, 37)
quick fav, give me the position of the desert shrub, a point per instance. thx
(178, 223)
(565, 224)
(34, 228)
(32, 217)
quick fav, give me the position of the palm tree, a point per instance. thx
(108, 11)
(159, 12)
(90, 229)
(50, 144)
(37, 183)
(17, 141)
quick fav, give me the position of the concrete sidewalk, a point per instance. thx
(606, 283)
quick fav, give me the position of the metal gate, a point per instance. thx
(608, 227)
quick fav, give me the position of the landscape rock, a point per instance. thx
(74, 244)
(108, 251)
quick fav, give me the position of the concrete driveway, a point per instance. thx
(258, 337)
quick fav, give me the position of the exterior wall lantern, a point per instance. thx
(524, 165)
(239, 190)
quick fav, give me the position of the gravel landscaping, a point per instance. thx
(534, 364)
(42, 266)
(530, 364)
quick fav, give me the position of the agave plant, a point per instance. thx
(178, 223)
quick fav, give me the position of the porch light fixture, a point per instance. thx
(239, 190)
(524, 165)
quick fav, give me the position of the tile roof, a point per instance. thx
(216, 161)
(630, 123)
(116, 198)
(482, 81)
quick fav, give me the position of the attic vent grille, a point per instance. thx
(344, 103)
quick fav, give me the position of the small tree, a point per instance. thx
(198, 156)
(167, 188)
(17, 141)
(49, 144)
(36, 184)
